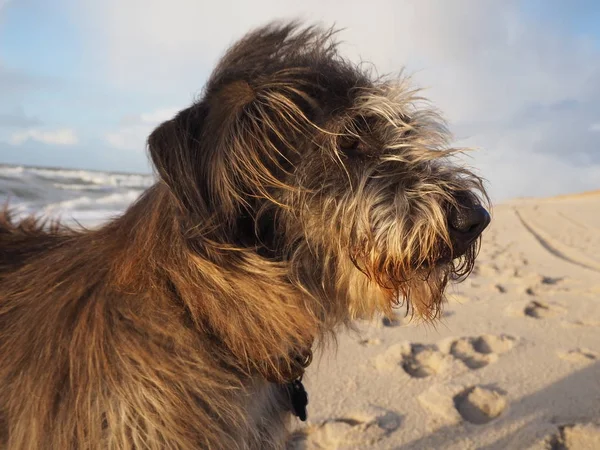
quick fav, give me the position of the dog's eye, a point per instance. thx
(348, 143)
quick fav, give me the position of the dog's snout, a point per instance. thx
(466, 223)
(469, 221)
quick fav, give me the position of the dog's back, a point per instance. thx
(41, 285)
(21, 241)
(92, 356)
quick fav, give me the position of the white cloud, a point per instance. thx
(127, 138)
(18, 119)
(500, 77)
(512, 172)
(160, 115)
(64, 136)
(135, 129)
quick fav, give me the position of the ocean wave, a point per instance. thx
(11, 171)
(96, 178)
(73, 196)
(119, 200)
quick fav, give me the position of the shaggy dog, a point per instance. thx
(298, 194)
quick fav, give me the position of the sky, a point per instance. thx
(82, 82)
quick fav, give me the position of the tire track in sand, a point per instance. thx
(555, 248)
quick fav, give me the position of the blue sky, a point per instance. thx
(82, 83)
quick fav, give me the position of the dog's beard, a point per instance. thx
(384, 281)
(365, 260)
(424, 292)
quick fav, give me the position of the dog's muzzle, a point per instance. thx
(465, 224)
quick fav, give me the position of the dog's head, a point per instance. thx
(308, 160)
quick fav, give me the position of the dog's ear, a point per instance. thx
(172, 148)
(222, 154)
(233, 150)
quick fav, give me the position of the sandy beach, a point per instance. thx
(513, 364)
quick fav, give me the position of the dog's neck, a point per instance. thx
(244, 301)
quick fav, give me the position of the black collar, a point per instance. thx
(295, 388)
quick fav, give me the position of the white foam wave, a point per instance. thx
(12, 171)
(98, 178)
(117, 200)
(70, 195)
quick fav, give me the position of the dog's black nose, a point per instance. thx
(469, 221)
(466, 223)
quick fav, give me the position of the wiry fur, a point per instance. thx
(296, 195)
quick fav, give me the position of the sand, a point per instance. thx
(513, 364)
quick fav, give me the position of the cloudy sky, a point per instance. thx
(82, 82)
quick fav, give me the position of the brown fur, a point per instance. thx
(296, 195)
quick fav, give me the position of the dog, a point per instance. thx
(299, 193)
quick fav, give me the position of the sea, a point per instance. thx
(76, 197)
